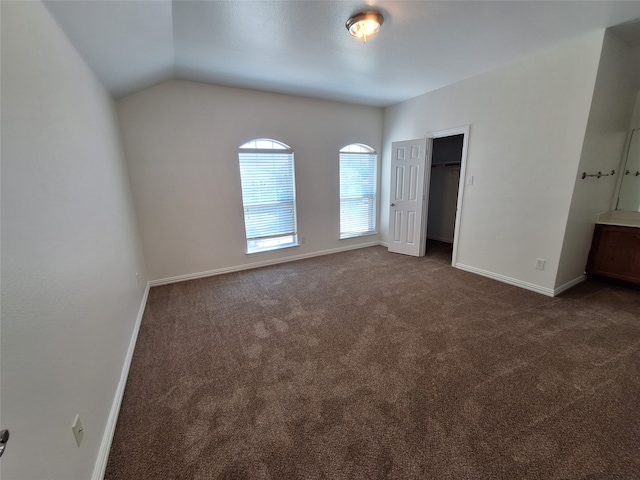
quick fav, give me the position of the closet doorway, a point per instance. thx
(446, 185)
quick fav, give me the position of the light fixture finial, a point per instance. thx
(364, 24)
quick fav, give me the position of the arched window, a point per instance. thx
(268, 194)
(358, 192)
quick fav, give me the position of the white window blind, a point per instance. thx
(358, 168)
(268, 195)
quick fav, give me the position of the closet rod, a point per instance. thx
(450, 164)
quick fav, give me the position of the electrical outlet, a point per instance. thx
(470, 180)
(540, 263)
(78, 431)
(302, 240)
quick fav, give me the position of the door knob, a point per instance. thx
(4, 437)
(393, 204)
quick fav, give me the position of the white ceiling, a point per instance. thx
(303, 48)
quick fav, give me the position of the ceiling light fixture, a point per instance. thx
(364, 24)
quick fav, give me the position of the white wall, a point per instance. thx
(70, 251)
(635, 119)
(527, 126)
(603, 148)
(181, 141)
(634, 58)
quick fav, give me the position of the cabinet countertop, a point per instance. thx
(619, 218)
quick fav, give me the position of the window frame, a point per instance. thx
(276, 240)
(371, 178)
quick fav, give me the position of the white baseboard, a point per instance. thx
(568, 285)
(511, 281)
(264, 263)
(107, 437)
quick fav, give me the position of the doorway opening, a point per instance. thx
(410, 184)
(446, 161)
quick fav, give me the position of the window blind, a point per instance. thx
(357, 193)
(268, 193)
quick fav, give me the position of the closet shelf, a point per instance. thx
(449, 164)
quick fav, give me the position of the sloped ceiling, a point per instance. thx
(628, 32)
(303, 48)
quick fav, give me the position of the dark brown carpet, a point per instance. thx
(370, 365)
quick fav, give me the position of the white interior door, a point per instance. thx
(410, 169)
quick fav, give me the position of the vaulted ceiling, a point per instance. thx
(303, 48)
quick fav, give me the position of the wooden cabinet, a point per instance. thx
(615, 253)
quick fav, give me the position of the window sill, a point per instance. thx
(358, 235)
(272, 249)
